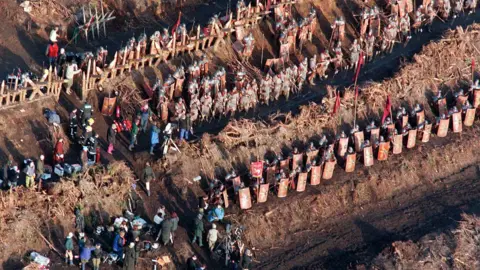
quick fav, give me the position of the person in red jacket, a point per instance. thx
(52, 53)
(59, 154)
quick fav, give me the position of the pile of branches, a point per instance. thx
(27, 215)
(130, 99)
(467, 252)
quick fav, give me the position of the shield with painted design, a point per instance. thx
(476, 98)
(236, 183)
(442, 106)
(404, 121)
(282, 188)
(383, 149)
(350, 162)
(297, 161)
(412, 137)
(311, 155)
(374, 135)
(397, 144)
(271, 171)
(426, 132)
(263, 193)
(302, 182)
(359, 138)
(342, 147)
(225, 198)
(256, 169)
(315, 175)
(469, 117)
(457, 122)
(245, 198)
(443, 128)
(461, 100)
(420, 117)
(368, 156)
(284, 164)
(328, 170)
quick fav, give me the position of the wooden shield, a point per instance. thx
(297, 161)
(178, 88)
(391, 129)
(350, 162)
(359, 138)
(401, 8)
(236, 182)
(108, 105)
(342, 147)
(256, 169)
(368, 156)
(426, 132)
(397, 144)
(328, 170)
(374, 135)
(284, 164)
(263, 193)
(225, 198)
(457, 122)
(271, 174)
(461, 100)
(409, 6)
(412, 137)
(311, 156)
(315, 175)
(443, 128)
(245, 198)
(282, 188)
(404, 121)
(420, 117)
(469, 117)
(442, 106)
(476, 98)
(164, 112)
(302, 182)
(383, 149)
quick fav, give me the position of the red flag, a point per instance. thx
(387, 109)
(359, 65)
(178, 23)
(269, 4)
(473, 65)
(337, 104)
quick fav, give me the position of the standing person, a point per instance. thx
(198, 230)
(73, 124)
(40, 169)
(111, 137)
(154, 138)
(69, 249)
(212, 237)
(129, 263)
(133, 134)
(70, 72)
(148, 175)
(84, 158)
(145, 115)
(97, 256)
(53, 35)
(246, 260)
(193, 263)
(59, 154)
(79, 221)
(167, 225)
(175, 220)
(118, 244)
(30, 175)
(52, 54)
(185, 127)
(85, 255)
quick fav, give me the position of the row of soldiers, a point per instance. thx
(281, 173)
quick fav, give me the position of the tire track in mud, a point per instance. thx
(358, 237)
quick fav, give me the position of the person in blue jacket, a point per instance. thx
(216, 214)
(154, 138)
(118, 244)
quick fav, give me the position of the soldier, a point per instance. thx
(323, 142)
(302, 73)
(323, 65)
(389, 37)
(192, 88)
(370, 46)
(204, 65)
(220, 102)
(419, 17)
(354, 54)
(471, 5)
(194, 107)
(303, 33)
(405, 27)
(312, 66)
(73, 124)
(248, 43)
(244, 100)
(232, 101)
(206, 85)
(312, 21)
(277, 86)
(338, 60)
(180, 110)
(338, 30)
(365, 15)
(286, 84)
(206, 102)
(179, 76)
(194, 70)
(252, 93)
(446, 9)
(457, 8)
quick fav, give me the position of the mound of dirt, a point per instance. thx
(29, 219)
